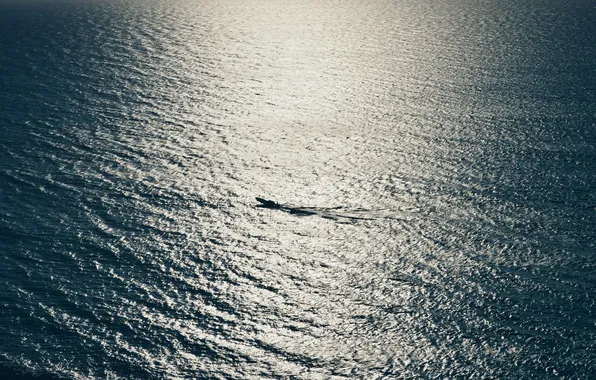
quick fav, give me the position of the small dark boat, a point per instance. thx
(265, 203)
(327, 212)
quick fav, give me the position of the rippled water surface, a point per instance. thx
(445, 152)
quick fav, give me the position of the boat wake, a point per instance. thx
(335, 213)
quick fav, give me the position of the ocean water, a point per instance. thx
(445, 153)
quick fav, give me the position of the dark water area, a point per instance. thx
(432, 164)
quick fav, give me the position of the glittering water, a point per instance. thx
(445, 151)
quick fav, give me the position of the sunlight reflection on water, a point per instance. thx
(135, 245)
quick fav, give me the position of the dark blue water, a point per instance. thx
(445, 153)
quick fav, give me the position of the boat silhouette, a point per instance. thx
(272, 205)
(335, 213)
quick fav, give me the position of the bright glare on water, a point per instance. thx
(433, 164)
